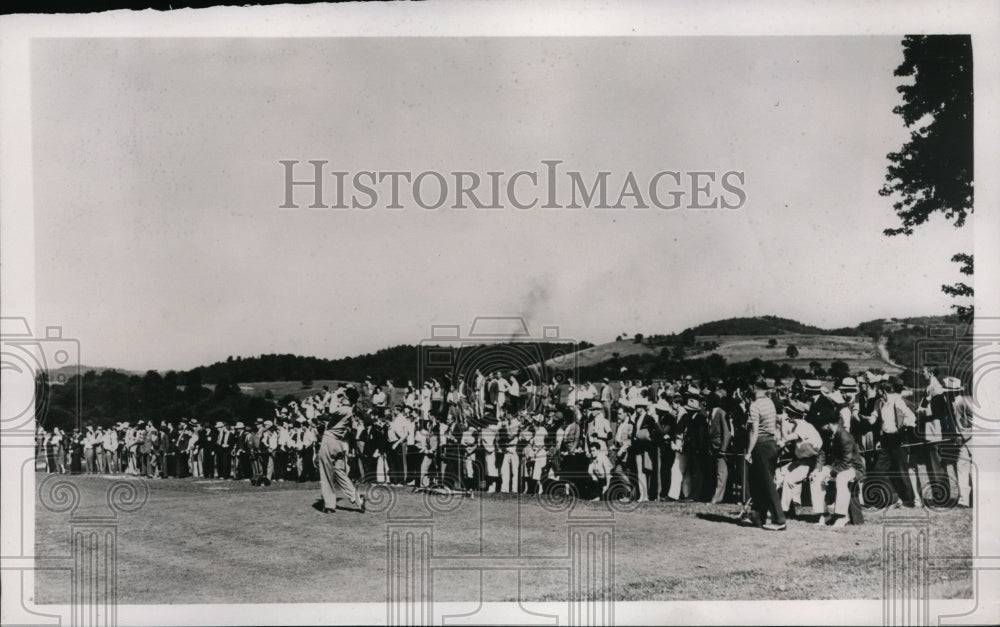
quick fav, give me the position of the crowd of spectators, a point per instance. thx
(757, 443)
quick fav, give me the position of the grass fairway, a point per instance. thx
(224, 542)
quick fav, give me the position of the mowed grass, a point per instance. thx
(224, 542)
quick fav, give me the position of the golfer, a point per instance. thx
(333, 453)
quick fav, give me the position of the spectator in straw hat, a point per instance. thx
(956, 455)
(696, 449)
(666, 419)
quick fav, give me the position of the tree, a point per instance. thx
(771, 343)
(638, 338)
(933, 171)
(839, 369)
(688, 337)
(962, 290)
(815, 368)
(792, 351)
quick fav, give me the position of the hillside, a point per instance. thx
(868, 345)
(761, 325)
(238, 387)
(860, 353)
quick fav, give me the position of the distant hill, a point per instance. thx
(882, 344)
(761, 325)
(241, 388)
(736, 340)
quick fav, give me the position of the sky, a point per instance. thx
(160, 244)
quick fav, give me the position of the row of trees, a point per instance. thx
(112, 396)
(398, 363)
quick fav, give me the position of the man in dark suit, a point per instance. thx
(720, 435)
(842, 463)
(224, 450)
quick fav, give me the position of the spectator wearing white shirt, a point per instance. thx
(89, 440)
(110, 445)
(514, 392)
(503, 386)
(599, 468)
(479, 389)
(400, 435)
(470, 447)
(379, 401)
(805, 442)
(510, 466)
(488, 439)
(895, 419)
(426, 400)
(956, 454)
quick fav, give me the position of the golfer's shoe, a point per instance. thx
(841, 521)
(775, 527)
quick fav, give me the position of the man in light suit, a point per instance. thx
(333, 454)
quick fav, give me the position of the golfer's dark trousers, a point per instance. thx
(762, 489)
(308, 465)
(891, 468)
(666, 465)
(397, 463)
(224, 458)
(280, 463)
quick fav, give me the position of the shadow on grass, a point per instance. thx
(319, 506)
(721, 519)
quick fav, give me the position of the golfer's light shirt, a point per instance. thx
(400, 429)
(339, 422)
(896, 414)
(764, 415)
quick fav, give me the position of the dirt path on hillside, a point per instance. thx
(883, 352)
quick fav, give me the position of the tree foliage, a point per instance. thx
(933, 171)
